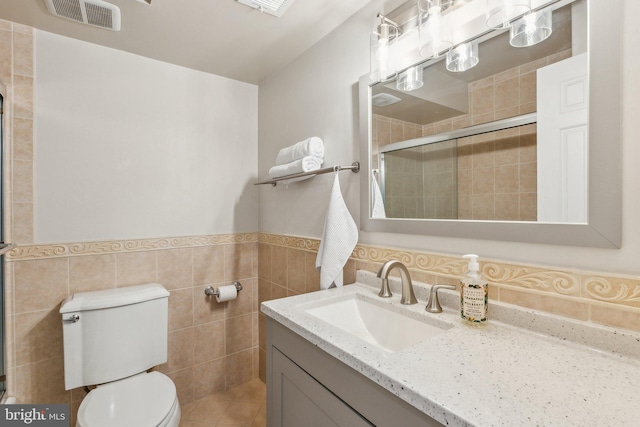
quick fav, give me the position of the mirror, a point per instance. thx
(481, 153)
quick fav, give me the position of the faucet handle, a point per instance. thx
(433, 306)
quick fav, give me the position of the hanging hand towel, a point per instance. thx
(339, 237)
(309, 147)
(305, 164)
(377, 202)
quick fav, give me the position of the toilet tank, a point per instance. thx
(113, 333)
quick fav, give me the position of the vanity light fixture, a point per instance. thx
(463, 57)
(434, 28)
(410, 79)
(500, 13)
(383, 37)
(532, 29)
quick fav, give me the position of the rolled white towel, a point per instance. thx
(309, 147)
(305, 164)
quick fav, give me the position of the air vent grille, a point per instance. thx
(272, 7)
(69, 9)
(99, 16)
(97, 13)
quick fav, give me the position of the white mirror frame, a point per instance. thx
(604, 227)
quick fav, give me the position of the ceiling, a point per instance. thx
(221, 37)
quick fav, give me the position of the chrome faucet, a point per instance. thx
(408, 297)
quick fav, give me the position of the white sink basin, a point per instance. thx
(374, 323)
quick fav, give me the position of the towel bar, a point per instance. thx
(354, 167)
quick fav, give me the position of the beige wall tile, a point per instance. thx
(238, 333)
(175, 268)
(551, 304)
(483, 181)
(278, 292)
(482, 100)
(238, 261)
(208, 378)
(528, 206)
(483, 207)
(22, 223)
(507, 179)
(244, 302)
(42, 382)
(38, 336)
(611, 315)
(296, 274)
(205, 308)
(264, 291)
(184, 385)
(48, 279)
(22, 96)
(136, 268)
(239, 368)
(23, 181)
(181, 309)
(279, 265)
(22, 139)
(507, 93)
(528, 177)
(209, 341)
(208, 265)
(264, 261)
(6, 53)
(23, 53)
(507, 207)
(312, 275)
(92, 273)
(179, 350)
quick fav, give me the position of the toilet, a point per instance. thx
(111, 338)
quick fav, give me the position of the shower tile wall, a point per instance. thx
(496, 172)
(212, 346)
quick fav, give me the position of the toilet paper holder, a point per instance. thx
(211, 291)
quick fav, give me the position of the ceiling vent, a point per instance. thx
(384, 99)
(272, 7)
(97, 13)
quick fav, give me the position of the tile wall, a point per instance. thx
(212, 346)
(286, 267)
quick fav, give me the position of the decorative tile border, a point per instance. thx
(31, 252)
(585, 285)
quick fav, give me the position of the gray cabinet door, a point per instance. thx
(299, 400)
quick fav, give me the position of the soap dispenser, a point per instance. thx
(474, 295)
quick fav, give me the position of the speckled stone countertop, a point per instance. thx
(523, 368)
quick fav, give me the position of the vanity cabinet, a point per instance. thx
(308, 387)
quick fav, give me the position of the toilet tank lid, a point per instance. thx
(116, 297)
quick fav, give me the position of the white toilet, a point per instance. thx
(111, 338)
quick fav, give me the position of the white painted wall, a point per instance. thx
(129, 147)
(317, 95)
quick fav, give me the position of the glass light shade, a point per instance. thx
(383, 63)
(532, 29)
(463, 57)
(501, 12)
(409, 80)
(435, 34)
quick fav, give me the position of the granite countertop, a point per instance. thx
(523, 368)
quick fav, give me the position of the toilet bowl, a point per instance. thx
(144, 400)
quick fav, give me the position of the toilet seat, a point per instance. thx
(144, 400)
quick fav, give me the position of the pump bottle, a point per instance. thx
(474, 295)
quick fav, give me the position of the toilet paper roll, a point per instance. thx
(227, 293)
